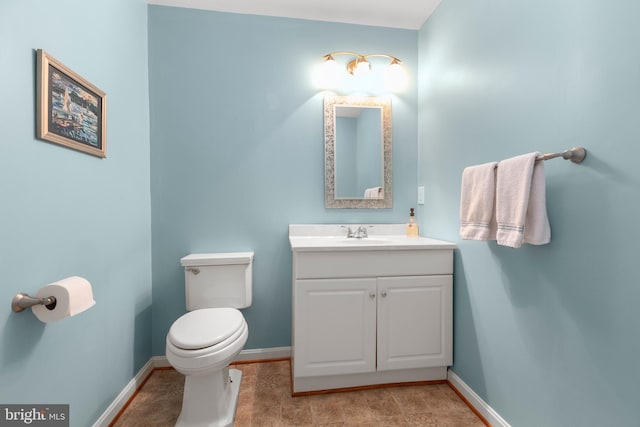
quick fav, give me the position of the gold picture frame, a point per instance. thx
(70, 110)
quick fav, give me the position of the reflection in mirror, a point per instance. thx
(357, 152)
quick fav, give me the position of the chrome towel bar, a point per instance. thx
(576, 155)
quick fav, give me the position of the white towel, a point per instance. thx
(537, 230)
(521, 210)
(477, 200)
(372, 193)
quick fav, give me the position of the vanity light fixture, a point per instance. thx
(360, 77)
(359, 65)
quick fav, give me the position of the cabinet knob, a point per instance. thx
(194, 270)
(383, 293)
(372, 295)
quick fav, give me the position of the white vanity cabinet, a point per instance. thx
(346, 326)
(414, 322)
(371, 314)
(335, 326)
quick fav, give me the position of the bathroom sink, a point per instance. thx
(332, 237)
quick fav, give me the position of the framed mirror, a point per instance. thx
(357, 149)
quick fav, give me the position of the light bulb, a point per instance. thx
(362, 68)
(327, 75)
(395, 77)
(330, 64)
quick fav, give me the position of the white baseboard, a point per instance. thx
(122, 398)
(161, 362)
(480, 405)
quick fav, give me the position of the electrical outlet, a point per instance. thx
(421, 195)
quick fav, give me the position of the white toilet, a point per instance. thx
(202, 343)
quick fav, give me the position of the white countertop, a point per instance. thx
(331, 237)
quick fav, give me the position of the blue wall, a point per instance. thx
(547, 335)
(65, 213)
(237, 148)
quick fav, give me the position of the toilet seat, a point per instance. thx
(201, 359)
(204, 328)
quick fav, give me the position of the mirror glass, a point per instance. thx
(357, 152)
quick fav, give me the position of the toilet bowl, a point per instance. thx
(201, 343)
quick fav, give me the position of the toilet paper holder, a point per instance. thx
(58, 300)
(23, 301)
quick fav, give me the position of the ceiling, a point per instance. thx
(408, 14)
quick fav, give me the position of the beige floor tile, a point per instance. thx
(381, 403)
(325, 408)
(265, 400)
(384, 421)
(409, 401)
(266, 416)
(355, 409)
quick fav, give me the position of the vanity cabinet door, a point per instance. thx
(415, 322)
(334, 326)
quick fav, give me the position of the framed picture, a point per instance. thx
(70, 110)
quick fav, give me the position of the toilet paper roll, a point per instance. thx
(73, 295)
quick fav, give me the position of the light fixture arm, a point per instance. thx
(394, 60)
(360, 63)
(329, 56)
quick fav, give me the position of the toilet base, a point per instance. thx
(210, 400)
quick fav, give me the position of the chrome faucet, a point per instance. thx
(360, 233)
(350, 232)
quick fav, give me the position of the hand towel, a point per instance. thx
(520, 202)
(477, 199)
(372, 193)
(537, 230)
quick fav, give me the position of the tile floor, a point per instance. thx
(265, 400)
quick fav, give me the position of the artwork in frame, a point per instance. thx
(70, 110)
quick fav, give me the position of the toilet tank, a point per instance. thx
(218, 280)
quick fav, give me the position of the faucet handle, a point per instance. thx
(362, 231)
(349, 231)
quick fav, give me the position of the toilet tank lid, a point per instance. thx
(227, 258)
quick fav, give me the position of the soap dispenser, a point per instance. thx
(412, 226)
